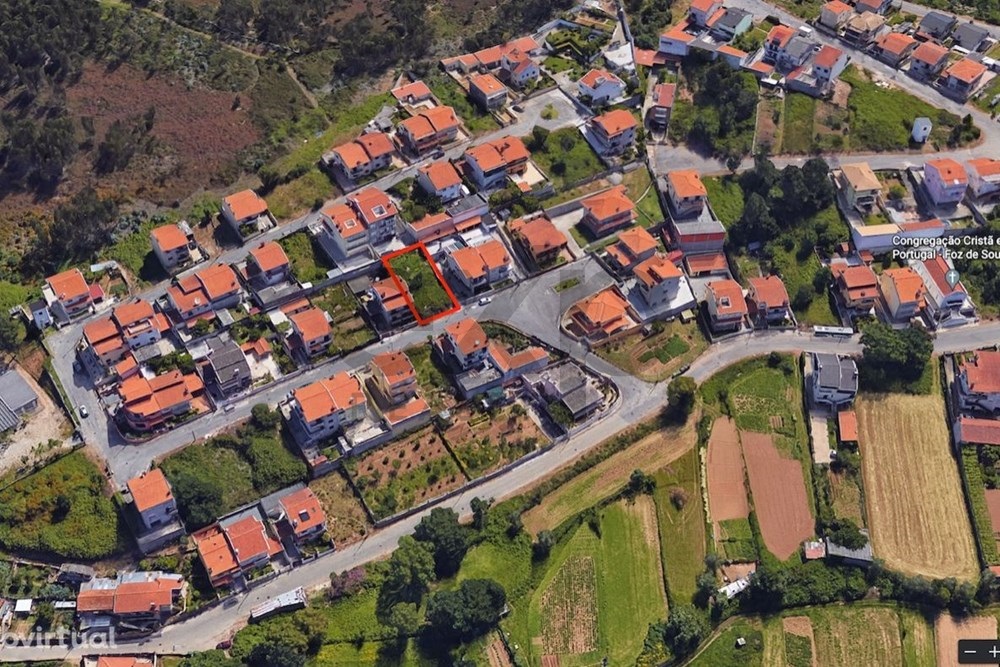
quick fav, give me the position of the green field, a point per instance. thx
(737, 541)
(723, 652)
(566, 158)
(725, 196)
(800, 111)
(428, 294)
(682, 531)
(450, 94)
(309, 262)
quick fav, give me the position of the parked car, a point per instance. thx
(518, 108)
(224, 645)
(84, 412)
(485, 300)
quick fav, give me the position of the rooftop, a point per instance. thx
(728, 297)
(324, 397)
(168, 237)
(687, 183)
(615, 122)
(467, 335)
(269, 256)
(982, 373)
(860, 176)
(149, 490)
(68, 285)
(246, 204)
(769, 290)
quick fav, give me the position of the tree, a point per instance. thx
(405, 618)
(891, 354)
(539, 135)
(706, 587)
(409, 573)
(756, 224)
(640, 483)
(264, 418)
(685, 629)
(10, 334)
(543, 544)
(480, 511)
(45, 614)
(681, 395)
(469, 611)
(271, 654)
(847, 534)
(514, 524)
(199, 499)
(448, 538)
(213, 658)
(803, 297)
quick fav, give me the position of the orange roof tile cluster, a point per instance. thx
(598, 77)
(929, 53)
(609, 204)
(615, 122)
(632, 243)
(168, 237)
(364, 149)
(126, 366)
(204, 287)
(704, 6)
(663, 94)
(728, 297)
(149, 490)
(476, 261)
(949, 171)
(725, 49)
(215, 552)
(258, 348)
(140, 597)
(147, 398)
(248, 539)
(607, 310)
(390, 295)
(707, 262)
(414, 406)
(780, 35)
(96, 599)
(837, 7)
(487, 84)
(302, 510)
(269, 256)
(539, 234)
(937, 268)
(431, 121)
(129, 314)
(827, 56)
(979, 431)
(503, 152)
(984, 167)
(344, 220)
(769, 290)
(68, 285)
(908, 284)
(847, 425)
(859, 281)
(330, 395)
(103, 336)
(983, 372)
(895, 43)
(418, 90)
(679, 33)
(441, 174)
(507, 362)
(966, 70)
(687, 183)
(467, 336)
(655, 270)
(395, 367)
(311, 324)
(122, 661)
(246, 204)
(372, 204)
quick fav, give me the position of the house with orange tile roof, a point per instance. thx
(945, 181)
(201, 294)
(411, 93)
(663, 103)
(927, 60)
(434, 226)
(389, 303)
(614, 131)
(687, 193)
(856, 285)
(429, 129)
(68, 294)
(776, 41)
(607, 211)
(702, 10)
(727, 308)
(321, 409)
(149, 403)
(834, 14)
(464, 343)
(512, 365)
(345, 229)
(394, 377)
(170, 245)
(976, 430)
(236, 546)
(302, 515)
(963, 77)
(440, 179)
(476, 268)
(847, 426)
(675, 41)
(767, 300)
(946, 305)
(539, 238)
(267, 264)
(365, 155)
(984, 177)
(490, 163)
(140, 599)
(311, 331)
(378, 213)
(902, 292)
(600, 87)
(517, 69)
(659, 282)
(600, 316)
(246, 213)
(103, 344)
(978, 380)
(153, 499)
(216, 556)
(634, 245)
(894, 48)
(487, 91)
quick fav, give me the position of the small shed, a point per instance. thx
(23, 606)
(922, 127)
(847, 426)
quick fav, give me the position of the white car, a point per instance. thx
(485, 300)
(84, 412)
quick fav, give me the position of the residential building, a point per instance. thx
(927, 60)
(344, 228)
(487, 91)
(303, 515)
(658, 280)
(390, 304)
(489, 163)
(767, 300)
(41, 316)
(138, 325)
(321, 409)
(796, 53)
(120, 661)
(440, 179)
(227, 370)
(614, 130)
(727, 308)
(369, 153)
(778, 39)
(977, 430)
(208, 290)
(946, 305)
(429, 129)
(703, 234)
(607, 211)
(68, 294)
(937, 25)
(600, 87)
(153, 499)
(478, 267)
(267, 264)
(903, 293)
(234, 547)
(568, 385)
(634, 245)
(873, 6)
(827, 65)
(148, 404)
(243, 212)
(734, 57)
(311, 331)
(465, 343)
(702, 10)
(539, 237)
(517, 69)
(971, 37)
(103, 345)
(394, 377)
(857, 286)
(139, 599)
(834, 14)
(529, 360)
(170, 245)
(984, 177)
(945, 181)
(963, 77)
(978, 381)
(17, 399)
(894, 48)
(686, 192)
(859, 186)
(862, 29)
(602, 315)
(663, 104)
(834, 379)
(378, 213)
(676, 40)
(732, 23)
(412, 93)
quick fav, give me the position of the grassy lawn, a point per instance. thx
(428, 293)
(346, 520)
(301, 194)
(557, 64)
(350, 331)
(309, 262)
(638, 184)
(569, 283)
(991, 90)
(725, 196)
(63, 510)
(722, 651)
(567, 158)
(800, 111)
(736, 540)
(451, 94)
(682, 531)
(656, 357)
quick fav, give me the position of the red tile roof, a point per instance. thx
(324, 397)
(149, 490)
(122, 661)
(937, 268)
(929, 53)
(144, 596)
(96, 599)
(966, 70)
(311, 324)
(702, 263)
(344, 220)
(246, 204)
(837, 7)
(505, 152)
(728, 297)
(538, 234)
(487, 84)
(895, 43)
(635, 241)
(984, 167)
(376, 144)
(606, 310)
(394, 366)
(704, 6)
(302, 510)
(847, 426)
(372, 204)
(352, 154)
(983, 372)
(248, 539)
(615, 122)
(769, 290)
(598, 77)
(781, 34)
(418, 90)
(269, 256)
(216, 554)
(68, 285)
(663, 94)
(467, 335)
(656, 270)
(130, 313)
(168, 237)
(979, 431)
(908, 285)
(828, 56)
(687, 183)
(441, 174)
(608, 204)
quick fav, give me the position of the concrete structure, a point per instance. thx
(971, 37)
(726, 306)
(663, 104)
(702, 11)
(659, 281)
(389, 304)
(487, 91)
(946, 305)
(429, 129)
(268, 265)
(937, 25)
(464, 343)
(227, 370)
(311, 331)
(984, 177)
(859, 186)
(834, 14)
(246, 213)
(978, 381)
(894, 48)
(686, 192)
(539, 238)
(863, 29)
(68, 295)
(902, 292)
(490, 163)
(365, 155)
(634, 245)
(922, 127)
(476, 268)
(143, 600)
(927, 60)
(834, 379)
(962, 78)
(732, 23)
(517, 69)
(17, 399)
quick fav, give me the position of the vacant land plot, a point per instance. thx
(348, 329)
(735, 540)
(948, 630)
(725, 196)
(569, 608)
(566, 157)
(722, 650)
(800, 646)
(779, 495)
(681, 518)
(800, 110)
(450, 93)
(346, 520)
(913, 494)
(847, 636)
(727, 496)
(309, 262)
(768, 135)
(656, 357)
(985, 505)
(483, 442)
(845, 498)
(428, 292)
(405, 473)
(431, 378)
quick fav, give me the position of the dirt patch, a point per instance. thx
(767, 129)
(485, 442)
(948, 630)
(347, 522)
(497, 654)
(550, 661)
(842, 90)
(734, 571)
(43, 432)
(727, 496)
(779, 495)
(776, 422)
(993, 505)
(569, 608)
(801, 626)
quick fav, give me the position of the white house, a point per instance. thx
(153, 498)
(945, 181)
(984, 176)
(322, 408)
(441, 180)
(601, 86)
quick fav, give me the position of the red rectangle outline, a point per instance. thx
(422, 247)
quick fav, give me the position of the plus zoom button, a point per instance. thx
(978, 652)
